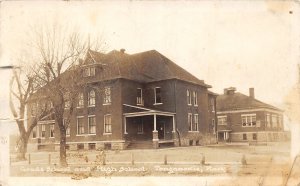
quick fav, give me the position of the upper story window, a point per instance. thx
(107, 96)
(268, 123)
(139, 97)
(212, 104)
(80, 100)
(157, 95)
(274, 121)
(195, 98)
(91, 98)
(249, 120)
(222, 120)
(189, 97)
(80, 125)
(89, 71)
(67, 100)
(52, 131)
(33, 109)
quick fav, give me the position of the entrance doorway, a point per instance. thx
(161, 126)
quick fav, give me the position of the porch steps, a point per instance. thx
(140, 145)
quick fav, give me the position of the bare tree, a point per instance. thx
(58, 54)
(21, 87)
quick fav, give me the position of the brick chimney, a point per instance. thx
(251, 93)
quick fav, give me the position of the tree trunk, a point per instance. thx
(62, 151)
(22, 147)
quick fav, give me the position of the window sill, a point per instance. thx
(106, 104)
(52, 137)
(91, 134)
(194, 131)
(107, 133)
(80, 134)
(91, 106)
(157, 103)
(195, 105)
(140, 104)
(79, 107)
(189, 104)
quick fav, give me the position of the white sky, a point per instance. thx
(230, 43)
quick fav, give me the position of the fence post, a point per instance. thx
(29, 159)
(49, 159)
(165, 160)
(132, 159)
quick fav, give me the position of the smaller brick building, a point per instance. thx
(243, 118)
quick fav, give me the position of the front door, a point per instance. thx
(161, 130)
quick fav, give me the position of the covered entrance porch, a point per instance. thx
(223, 135)
(149, 127)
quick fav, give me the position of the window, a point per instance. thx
(157, 94)
(80, 146)
(140, 128)
(280, 122)
(189, 97)
(43, 135)
(222, 120)
(34, 132)
(254, 136)
(190, 121)
(80, 126)
(268, 124)
(195, 97)
(274, 121)
(107, 123)
(92, 146)
(139, 97)
(91, 98)
(213, 123)
(89, 71)
(212, 104)
(33, 109)
(52, 131)
(80, 100)
(196, 121)
(92, 124)
(249, 120)
(244, 136)
(67, 100)
(107, 96)
(67, 127)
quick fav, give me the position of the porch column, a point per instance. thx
(174, 136)
(174, 124)
(125, 128)
(155, 133)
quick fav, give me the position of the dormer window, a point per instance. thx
(89, 71)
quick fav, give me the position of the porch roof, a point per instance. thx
(143, 111)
